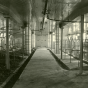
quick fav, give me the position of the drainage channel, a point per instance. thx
(64, 66)
(10, 81)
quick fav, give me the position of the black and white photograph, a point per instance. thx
(43, 43)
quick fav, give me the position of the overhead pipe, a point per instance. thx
(64, 20)
(46, 3)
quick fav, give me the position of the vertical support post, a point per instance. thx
(31, 40)
(14, 45)
(7, 44)
(3, 34)
(51, 41)
(34, 38)
(57, 39)
(30, 18)
(26, 39)
(49, 36)
(3, 28)
(28, 36)
(61, 42)
(23, 41)
(65, 47)
(81, 44)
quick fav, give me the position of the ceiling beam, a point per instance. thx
(75, 13)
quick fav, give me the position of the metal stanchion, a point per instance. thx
(7, 43)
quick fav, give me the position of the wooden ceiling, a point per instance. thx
(56, 9)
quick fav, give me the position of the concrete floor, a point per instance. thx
(44, 72)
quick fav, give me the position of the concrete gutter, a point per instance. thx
(64, 66)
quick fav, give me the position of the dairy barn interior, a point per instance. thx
(43, 43)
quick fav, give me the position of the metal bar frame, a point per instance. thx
(61, 43)
(81, 44)
(7, 44)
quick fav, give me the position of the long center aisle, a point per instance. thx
(41, 72)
